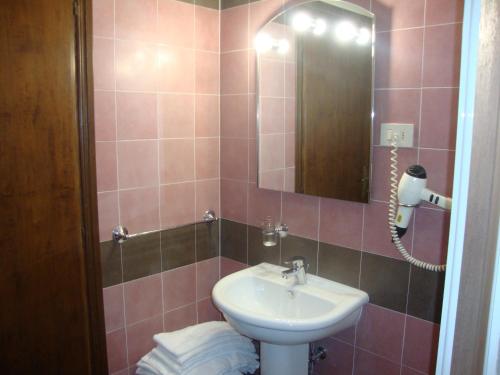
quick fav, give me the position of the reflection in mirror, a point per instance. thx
(314, 92)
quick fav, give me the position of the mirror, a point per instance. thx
(315, 100)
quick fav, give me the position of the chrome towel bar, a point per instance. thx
(120, 233)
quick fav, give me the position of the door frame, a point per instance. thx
(90, 229)
(492, 355)
(474, 219)
(468, 64)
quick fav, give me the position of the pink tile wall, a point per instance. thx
(417, 72)
(136, 310)
(156, 79)
(139, 56)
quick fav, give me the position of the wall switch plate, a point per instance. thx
(403, 132)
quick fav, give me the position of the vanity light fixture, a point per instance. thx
(264, 42)
(283, 46)
(163, 58)
(345, 31)
(364, 36)
(319, 27)
(301, 22)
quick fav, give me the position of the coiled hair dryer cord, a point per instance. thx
(392, 217)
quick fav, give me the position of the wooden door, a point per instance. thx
(51, 319)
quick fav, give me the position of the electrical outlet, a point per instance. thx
(403, 132)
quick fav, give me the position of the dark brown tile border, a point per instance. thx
(111, 263)
(234, 240)
(225, 4)
(141, 256)
(425, 297)
(207, 240)
(257, 252)
(178, 247)
(385, 280)
(159, 251)
(339, 264)
(213, 4)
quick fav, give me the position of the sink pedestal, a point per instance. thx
(284, 359)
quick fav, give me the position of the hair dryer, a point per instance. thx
(411, 190)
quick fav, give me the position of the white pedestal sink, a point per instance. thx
(286, 317)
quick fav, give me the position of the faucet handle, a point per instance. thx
(297, 261)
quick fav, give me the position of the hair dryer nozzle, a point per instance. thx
(400, 231)
(416, 171)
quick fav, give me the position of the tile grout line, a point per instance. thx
(379, 356)
(211, 179)
(422, 70)
(282, 193)
(415, 88)
(247, 182)
(363, 213)
(154, 139)
(156, 43)
(318, 231)
(283, 127)
(415, 148)
(355, 342)
(362, 235)
(419, 27)
(125, 329)
(219, 232)
(158, 91)
(247, 128)
(159, 186)
(195, 83)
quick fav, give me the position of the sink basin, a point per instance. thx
(285, 317)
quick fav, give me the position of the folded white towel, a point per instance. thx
(247, 354)
(152, 361)
(146, 366)
(231, 362)
(189, 342)
(241, 343)
(141, 371)
(225, 364)
(187, 339)
(212, 348)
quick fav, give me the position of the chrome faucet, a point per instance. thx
(298, 269)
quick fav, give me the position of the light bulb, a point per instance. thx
(140, 56)
(163, 58)
(319, 27)
(283, 46)
(301, 22)
(263, 42)
(364, 36)
(345, 31)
